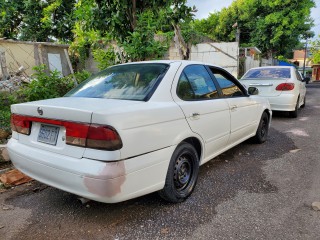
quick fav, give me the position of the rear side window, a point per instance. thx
(127, 82)
(263, 73)
(195, 83)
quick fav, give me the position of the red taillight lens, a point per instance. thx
(92, 136)
(103, 137)
(20, 124)
(285, 87)
(77, 134)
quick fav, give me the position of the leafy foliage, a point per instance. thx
(275, 27)
(141, 43)
(315, 50)
(104, 57)
(6, 99)
(45, 86)
(36, 20)
(10, 17)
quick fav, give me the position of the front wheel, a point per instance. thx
(304, 102)
(182, 174)
(263, 129)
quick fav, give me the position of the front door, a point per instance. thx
(243, 108)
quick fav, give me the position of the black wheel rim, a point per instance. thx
(264, 127)
(183, 172)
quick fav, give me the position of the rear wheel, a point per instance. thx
(182, 174)
(263, 129)
(294, 114)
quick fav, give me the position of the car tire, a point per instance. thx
(294, 114)
(304, 102)
(263, 129)
(182, 174)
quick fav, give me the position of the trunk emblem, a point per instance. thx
(40, 111)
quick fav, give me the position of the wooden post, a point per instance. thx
(70, 66)
(3, 65)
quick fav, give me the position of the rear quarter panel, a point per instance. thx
(147, 127)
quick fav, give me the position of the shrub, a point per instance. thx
(50, 85)
(6, 99)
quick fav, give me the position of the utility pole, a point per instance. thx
(306, 35)
(238, 41)
(304, 59)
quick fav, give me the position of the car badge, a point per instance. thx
(40, 111)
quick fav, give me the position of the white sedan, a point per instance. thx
(136, 128)
(282, 85)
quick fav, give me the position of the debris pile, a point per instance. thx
(4, 156)
(13, 83)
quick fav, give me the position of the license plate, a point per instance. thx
(48, 134)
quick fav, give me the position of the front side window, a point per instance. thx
(195, 83)
(298, 75)
(127, 82)
(228, 87)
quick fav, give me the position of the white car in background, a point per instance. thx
(282, 85)
(136, 128)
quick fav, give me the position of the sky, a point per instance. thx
(209, 6)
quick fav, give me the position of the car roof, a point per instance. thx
(184, 62)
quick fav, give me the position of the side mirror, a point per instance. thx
(306, 80)
(253, 91)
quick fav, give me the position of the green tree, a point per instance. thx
(275, 27)
(207, 26)
(36, 20)
(132, 23)
(141, 43)
(11, 14)
(280, 25)
(31, 28)
(315, 50)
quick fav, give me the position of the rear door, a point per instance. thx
(207, 114)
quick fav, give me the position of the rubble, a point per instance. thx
(4, 156)
(316, 206)
(13, 83)
(4, 134)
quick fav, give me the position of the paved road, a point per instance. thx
(250, 192)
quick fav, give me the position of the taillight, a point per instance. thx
(77, 134)
(20, 124)
(92, 136)
(285, 87)
(103, 137)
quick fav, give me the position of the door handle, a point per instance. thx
(195, 115)
(234, 107)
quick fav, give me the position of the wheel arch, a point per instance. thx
(196, 143)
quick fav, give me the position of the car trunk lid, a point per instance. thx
(266, 87)
(49, 118)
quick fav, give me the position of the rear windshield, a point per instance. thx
(268, 73)
(127, 82)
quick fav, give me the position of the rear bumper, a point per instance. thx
(108, 182)
(284, 102)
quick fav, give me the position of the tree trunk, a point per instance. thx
(133, 19)
(180, 43)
